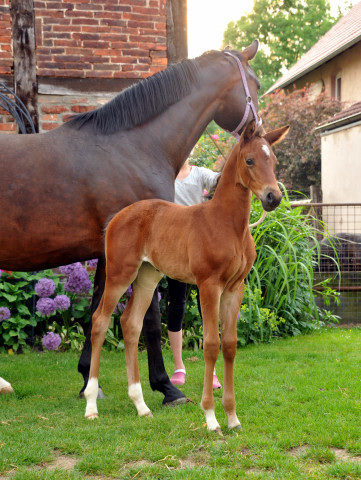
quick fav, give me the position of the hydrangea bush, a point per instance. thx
(69, 302)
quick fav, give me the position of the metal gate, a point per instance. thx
(339, 226)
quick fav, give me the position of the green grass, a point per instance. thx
(299, 402)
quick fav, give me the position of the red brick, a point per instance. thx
(81, 108)
(54, 109)
(49, 126)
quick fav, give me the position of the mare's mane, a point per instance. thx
(144, 100)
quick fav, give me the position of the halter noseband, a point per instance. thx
(249, 104)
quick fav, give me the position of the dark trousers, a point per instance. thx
(177, 292)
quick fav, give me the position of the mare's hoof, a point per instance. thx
(149, 414)
(92, 416)
(218, 431)
(100, 393)
(175, 403)
(174, 397)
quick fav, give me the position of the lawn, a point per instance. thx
(299, 402)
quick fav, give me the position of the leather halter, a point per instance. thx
(249, 104)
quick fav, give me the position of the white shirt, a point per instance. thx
(189, 191)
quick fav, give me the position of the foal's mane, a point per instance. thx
(144, 100)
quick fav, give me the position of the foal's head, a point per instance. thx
(256, 163)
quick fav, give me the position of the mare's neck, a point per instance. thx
(231, 200)
(180, 126)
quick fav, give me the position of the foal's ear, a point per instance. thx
(276, 135)
(249, 131)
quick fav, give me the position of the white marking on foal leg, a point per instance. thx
(136, 395)
(5, 386)
(91, 394)
(233, 421)
(211, 420)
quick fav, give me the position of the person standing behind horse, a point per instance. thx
(190, 184)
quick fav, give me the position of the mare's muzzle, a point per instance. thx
(271, 199)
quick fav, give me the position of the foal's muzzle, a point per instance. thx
(271, 199)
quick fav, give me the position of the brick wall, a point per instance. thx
(95, 41)
(56, 109)
(6, 57)
(100, 38)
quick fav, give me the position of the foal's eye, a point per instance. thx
(249, 161)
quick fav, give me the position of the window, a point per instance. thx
(338, 86)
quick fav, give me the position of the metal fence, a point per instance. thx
(339, 225)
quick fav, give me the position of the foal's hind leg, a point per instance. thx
(229, 308)
(114, 288)
(131, 321)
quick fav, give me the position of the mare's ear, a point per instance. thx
(250, 52)
(276, 135)
(249, 131)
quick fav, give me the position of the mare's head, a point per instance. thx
(234, 100)
(256, 163)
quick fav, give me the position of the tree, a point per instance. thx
(286, 30)
(299, 155)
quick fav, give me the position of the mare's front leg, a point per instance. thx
(158, 377)
(84, 360)
(229, 309)
(209, 298)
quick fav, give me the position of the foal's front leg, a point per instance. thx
(209, 298)
(229, 308)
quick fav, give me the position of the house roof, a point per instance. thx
(345, 117)
(343, 35)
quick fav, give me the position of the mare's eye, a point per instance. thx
(249, 161)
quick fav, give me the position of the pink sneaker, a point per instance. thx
(178, 377)
(216, 384)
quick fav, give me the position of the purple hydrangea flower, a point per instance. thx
(51, 341)
(68, 269)
(92, 263)
(159, 296)
(45, 306)
(61, 302)
(78, 281)
(119, 308)
(45, 287)
(4, 313)
(129, 291)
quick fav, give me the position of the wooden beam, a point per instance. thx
(177, 41)
(23, 31)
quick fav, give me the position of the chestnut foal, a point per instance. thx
(207, 244)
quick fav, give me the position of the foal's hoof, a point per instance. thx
(237, 428)
(6, 390)
(149, 414)
(91, 416)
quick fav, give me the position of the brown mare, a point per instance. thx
(209, 245)
(59, 189)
